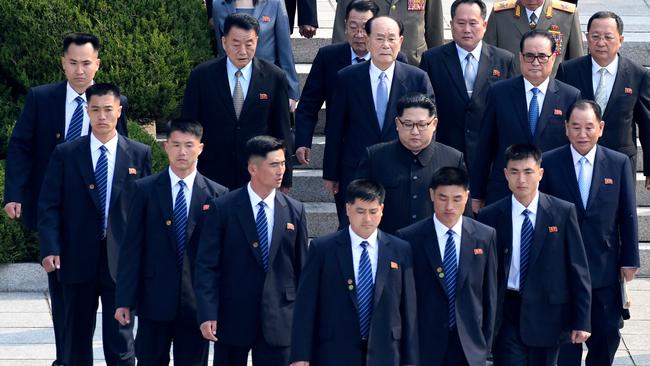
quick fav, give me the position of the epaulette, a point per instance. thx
(564, 6)
(504, 5)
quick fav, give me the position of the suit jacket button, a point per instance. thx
(58, 135)
(168, 222)
(505, 251)
(393, 7)
(255, 245)
(92, 186)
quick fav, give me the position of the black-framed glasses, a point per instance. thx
(420, 125)
(541, 57)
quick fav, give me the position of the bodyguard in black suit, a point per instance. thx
(83, 210)
(461, 84)
(250, 258)
(159, 250)
(624, 96)
(365, 105)
(405, 166)
(600, 184)
(543, 276)
(356, 301)
(232, 109)
(455, 270)
(526, 109)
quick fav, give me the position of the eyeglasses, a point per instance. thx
(420, 125)
(598, 37)
(541, 57)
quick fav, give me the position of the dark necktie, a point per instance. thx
(533, 21)
(76, 122)
(359, 59)
(180, 223)
(365, 291)
(101, 181)
(450, 267)
(533, 111)
(263, 234)
(525, 245)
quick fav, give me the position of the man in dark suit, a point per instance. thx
(543, 276)
(620, 86)
(461, 254)
(356, 301)
(526, 109)
(158, 254)
(600, 183)
(235, 98)
(471, 66)
(365, 105)
(83, 210)
(251, 252)
(405, 166)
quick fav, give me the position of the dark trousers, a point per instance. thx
(606, 305)
(454, 355)
(263, 354)
(510, 349)
(154, 340)
(58, 314)
(81, 301)
(291, 12)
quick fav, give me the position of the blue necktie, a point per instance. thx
(450, 266)
(76, 122)
(526, 243)
(180, 223)
(533, 112)
(263, 234)
(382, 100)
(101, 181)
(365, 291)
(583, 183)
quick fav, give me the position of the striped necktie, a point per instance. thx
(238, 94)
(180, 223)
(76, 122)
(365, 291)
(525, 245)
(101, 181)
(533, 111)
(469, 74)
(263, 234)
(601, 94)
(451, 270)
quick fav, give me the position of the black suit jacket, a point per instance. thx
(230, 283)
(149, 278)
(265, 112)
(326, 327)
(609, 223)
(320, 86)
(40, 127)
(69, 210)
(476, 290)
(353, 125)
(557, 295)
(506, 123)
(459, 117)
(392, 165)
(629, 103)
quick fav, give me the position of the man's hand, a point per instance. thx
(477, 205)
(628, 273)
(300, 363)
(123, 316)
(307, 31)
(647, 183)
(209, 330)
(51, 263)
(292, 105)
(304, 155)
(331, 186)
(13, 210)
(211, 23)
(579, 336)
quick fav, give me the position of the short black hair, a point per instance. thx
(480, 4)
(260, 146)
(101, 89)
(583, 105)
(450, 176)
(522, 152)
(240, 20)
(185, 125)
(537, 33)
(362, 6)
(368, 26)
(366, 190)
(80, 39)
(606, 15)
(416, 100)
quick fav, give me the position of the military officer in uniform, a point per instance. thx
(510, 19)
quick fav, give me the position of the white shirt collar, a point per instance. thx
(71, 94)
(255, 199)
(356, 239)
(611, 68)
(519, 208)
(111, 145)
(538, 12)
(442, 228)
(476, 52)
(542, 87)
(246, 71)
(591, 155)
(354, 55)
(375, 72)
(189, 180)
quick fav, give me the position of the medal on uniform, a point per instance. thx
(554, 31)
(415, 5)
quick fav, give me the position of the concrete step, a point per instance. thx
(642, 194)
(321, 218)
(643, 214)
(308, 186)
(317, 152)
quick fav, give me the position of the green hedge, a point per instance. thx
(159, 159)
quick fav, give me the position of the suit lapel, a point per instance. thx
(384, 254)
(254, 90)
(570, 173)
(548, 108)
(504, 228)
(453, 65)
(280, 220)
(585, 79)
(619, 84)
(199, 196)
(432, 250)
(164, 194)
(522, 23)
(121, 169)
(597, 177)
(85, 162)
(344, 255)
(257, 12)
(484, 65)
(58, 110)
(466, 255)
(364, 79)
(397, 89)
(222, 84)
(246, 220)
(542, 222)
(519, 98)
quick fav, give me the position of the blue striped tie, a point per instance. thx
(101, 180)
(76, 122)
(526, 243)
(583, 183)
(263, 234)
(365, 291)
(533, 112)
(180, 223)
(450, 266)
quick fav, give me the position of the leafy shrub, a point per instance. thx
(159, 159)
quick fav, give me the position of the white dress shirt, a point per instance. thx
(354, 55)
(441, 233)
(517, 221)
(374, 80)
(71, 105)
(538, 13)
(588, 171)
(610, 76)
(268, 209)
(189, 185)
(476, 52)
(244, 80)
(357, 249)
(111, 151)
(540, 95)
